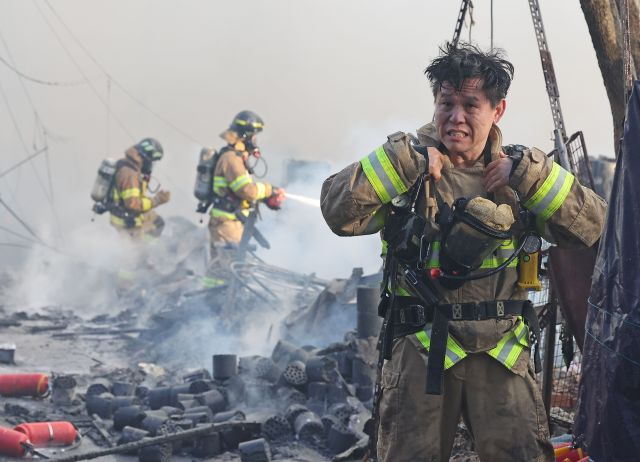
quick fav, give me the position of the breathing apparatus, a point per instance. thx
(246, 125)
(465, 240)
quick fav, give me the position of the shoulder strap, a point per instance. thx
(487, 160)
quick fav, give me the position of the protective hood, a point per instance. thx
(132, 155)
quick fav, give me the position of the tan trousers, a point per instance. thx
(223, 231)
(503, 410)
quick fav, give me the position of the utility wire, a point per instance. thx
(18, 235)
(51, 83)
(21, 221)
(15, 166)
(12, 244)
(22, 141)
(85, 77)
(118, 84)
(38, 125)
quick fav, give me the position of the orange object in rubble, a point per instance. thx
(12, 443)
(24, 384)
(42, 434)
(568, 454)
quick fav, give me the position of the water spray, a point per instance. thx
(304, 200)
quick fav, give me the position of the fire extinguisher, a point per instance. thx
(13, 443)
(36, 385)
(43, 434)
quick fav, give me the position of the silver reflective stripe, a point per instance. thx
(382, 174)
(506, 349)
(523, 335)
(551, 194)
(453, 357)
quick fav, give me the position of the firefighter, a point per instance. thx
(234, 188)
(132, 207)
(478, 366)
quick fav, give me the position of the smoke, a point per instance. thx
(80, 276)
(301, 240)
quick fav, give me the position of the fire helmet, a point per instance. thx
(246, 124)
(150, 149)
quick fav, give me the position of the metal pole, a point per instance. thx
(549, 352)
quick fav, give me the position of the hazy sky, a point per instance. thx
(331, 78)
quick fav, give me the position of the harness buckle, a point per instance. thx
(480, 311)
(500, 309)
(456, 311)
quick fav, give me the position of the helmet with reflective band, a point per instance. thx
(246, 123)
(150, 149)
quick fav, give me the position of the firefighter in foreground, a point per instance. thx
(131, 206)
(233, 190)
(452, 205)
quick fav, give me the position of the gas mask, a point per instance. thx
(147, 166)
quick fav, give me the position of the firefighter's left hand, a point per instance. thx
(275, 200)
(496, 175)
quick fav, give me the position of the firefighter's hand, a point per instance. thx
(496, 175)
(161, 197)
(436, 162)
(275, 200)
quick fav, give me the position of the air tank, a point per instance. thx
(104, 178)
(203, 188)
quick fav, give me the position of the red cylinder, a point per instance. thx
(11, 442)
(24, 384)
(42, 434)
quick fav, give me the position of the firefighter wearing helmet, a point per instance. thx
(234, 188)
(131, 207)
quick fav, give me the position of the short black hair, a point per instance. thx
(465, 61)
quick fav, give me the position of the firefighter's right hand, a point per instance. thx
(275, 200)
(434, 157)
(436, 162)
(161, 197)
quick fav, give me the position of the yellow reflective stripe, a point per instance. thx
(129, 193)
(262, 191)
(374, 180)
(434, 256)
(424, 339)
(121, 223)
(217, 213)
(454, 352)
(559, 198)
(209, 282)
(494, 262)
(240, 181)
(402, 292)
(511, 345)
(220, 181)
(147, 204)
(390, 171)
(551, 195)
(382, 175)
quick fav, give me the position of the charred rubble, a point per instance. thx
(166, 375)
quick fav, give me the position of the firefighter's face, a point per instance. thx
(464, 118)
